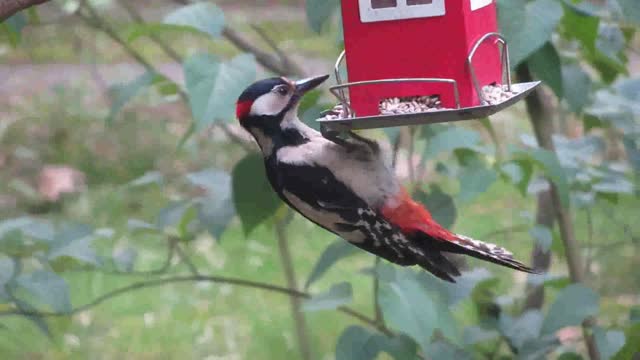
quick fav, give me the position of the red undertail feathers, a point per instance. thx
(416, 221)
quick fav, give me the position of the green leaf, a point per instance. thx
(611, 41)
(522, 329)
(335, 252)
(474, 181)
(358, 343)
(150, 177)
(454, 137)
(7, 270)
(630, 10)
(408, 307)
(47, 288)
(123, 93)
(135, 225)
(580, 25)
(608, 342)
(13, 27)
(319, 12)
(203, 16)
(552, 168)
(10, 225)
(465, 285)
(570, 356)
(170, 216)
(74, 241)
(528, 26)
(79, 249)
(573, 305)
(545, 65)
(543, 237)
(134, 31)
(213, 86)
(338, 295)
(254, 199)
(216, 209)
(630, 348)
(186, 226)
(441, 205)
(445, 351)
(577, 87)
(125, 259)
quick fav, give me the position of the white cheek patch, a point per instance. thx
(269, 104)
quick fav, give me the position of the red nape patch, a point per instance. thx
(243, 108)
(412, 217)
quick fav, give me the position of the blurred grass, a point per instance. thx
(211, 320)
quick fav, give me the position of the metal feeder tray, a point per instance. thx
(353, 122)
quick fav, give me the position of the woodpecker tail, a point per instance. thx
(433, 240)
(485, 251)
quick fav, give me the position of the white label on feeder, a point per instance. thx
(478, 4)
(385, 10)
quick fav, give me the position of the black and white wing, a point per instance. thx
(315, 193)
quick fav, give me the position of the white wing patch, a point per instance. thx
(324, 218)
(366, 174)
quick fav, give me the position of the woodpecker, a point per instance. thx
(344, 185)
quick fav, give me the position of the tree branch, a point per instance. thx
(195, 278)
(9, 7)
(263, 58)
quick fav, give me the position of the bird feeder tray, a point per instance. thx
(349, 120)
(354, 122)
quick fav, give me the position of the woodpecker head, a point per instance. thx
(268, 102)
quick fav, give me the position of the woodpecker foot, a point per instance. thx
(352, 141)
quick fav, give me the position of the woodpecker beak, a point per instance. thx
(305, 85)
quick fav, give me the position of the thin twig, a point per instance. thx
(286, 60)
(296, 304)
(507, 230)
(187, 260)
(411, 153)
(265, 59)
(135, 15)
(376, 301)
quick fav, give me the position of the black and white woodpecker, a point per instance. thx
(343, 184)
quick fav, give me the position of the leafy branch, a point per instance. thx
(195, 278)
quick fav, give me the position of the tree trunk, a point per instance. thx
(542, 123)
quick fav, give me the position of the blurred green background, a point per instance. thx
(122, 168)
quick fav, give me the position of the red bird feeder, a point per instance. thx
(413, 62)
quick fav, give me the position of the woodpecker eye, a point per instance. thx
(281, 90)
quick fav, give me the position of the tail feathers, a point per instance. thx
(485, 251)
(438, 264)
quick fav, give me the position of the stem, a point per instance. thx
(379, 318)
(411, 152)
(543, 128)
(296, 306)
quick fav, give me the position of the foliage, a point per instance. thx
(579, 49)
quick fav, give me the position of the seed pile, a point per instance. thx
(338, 112)
(408, 105)
(495, 94)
